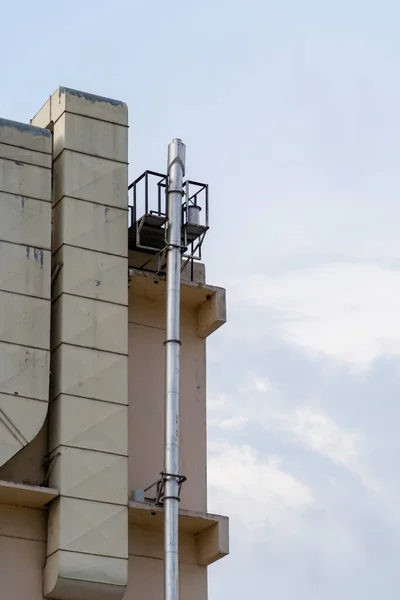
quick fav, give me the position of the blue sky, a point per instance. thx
(290, 111)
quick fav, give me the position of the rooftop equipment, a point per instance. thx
(149, 216)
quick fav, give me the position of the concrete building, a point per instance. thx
(82, 326)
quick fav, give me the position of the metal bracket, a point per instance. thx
(161, 258)
(160, 487)
(49, 462)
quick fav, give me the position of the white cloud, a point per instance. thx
(233, 423)
(218, 401)
(256, 493)
(303, 424)
(257, 384)
(348, 311)
(321, 434)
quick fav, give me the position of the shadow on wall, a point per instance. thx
(28, 465)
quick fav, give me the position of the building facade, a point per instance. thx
(82, 372)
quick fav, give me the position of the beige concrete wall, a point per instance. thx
(83, 542)
(146, 440)
(146, 567)
(25, 273)
(87, 546)
(146, 400)
(77, 425)
(23, 533)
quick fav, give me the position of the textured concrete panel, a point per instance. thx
(25, 156)
(25, 136)
(24, 320)
(20, 421)
(71, 575)
(91, 274)
(91, 424)
(89, 105)
(90, 527)
(90, 374)
(89, 323)
(90, 475)
(90, 136)
(26, 270)
(25, 221)
(88, 524)
(24, 371)
(26, 180)
(89, 178)
(92, 226)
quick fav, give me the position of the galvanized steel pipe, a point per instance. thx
(176, 171)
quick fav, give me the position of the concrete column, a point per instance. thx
(25, 274)
(87, 551)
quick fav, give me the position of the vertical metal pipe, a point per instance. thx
(134, 203)
(146, 193)
(176, 171)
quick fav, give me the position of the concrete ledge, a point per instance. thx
(29, 496)
(210, 531)
(209, 301)
(81, 103)
(25, 136)
(197, 275)
(211, 314)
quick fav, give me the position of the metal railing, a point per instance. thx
(148, 195)
(162, 196)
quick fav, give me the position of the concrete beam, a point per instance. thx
(211, 314)
(210, 532)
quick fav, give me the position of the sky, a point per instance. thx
(291, 112)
